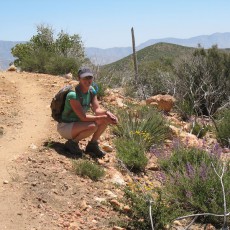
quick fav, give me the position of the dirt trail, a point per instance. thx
(41, 192)
(33, 118)
(24, 124)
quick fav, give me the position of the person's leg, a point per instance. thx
(100, 130)
(93, 148)
(82, 130)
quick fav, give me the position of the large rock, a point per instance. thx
(12, 68)
(188, 139)
(162, 102)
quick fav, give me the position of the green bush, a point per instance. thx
(192, 183)
(185, 108)
(101, 90)
(200, 130)
(162, 214)
(143, 124)
(61, 65)
(202, 80)
(223, 128)
(46, 54)
(131, 153)
(89, 169)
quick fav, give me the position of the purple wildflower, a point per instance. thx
(216, 151)
(188, 194)
(190, 170)
(159, 153)
(203, 171)
(156, 151)
(176, 144)
(161, 177)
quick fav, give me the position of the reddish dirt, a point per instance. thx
(38, 186)
(39, 189)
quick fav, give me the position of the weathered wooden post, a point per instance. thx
(134, 55)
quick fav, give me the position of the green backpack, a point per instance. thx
(58, 102)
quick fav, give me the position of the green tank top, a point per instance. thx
(68, 115)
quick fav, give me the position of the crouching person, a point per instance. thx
(76, 124)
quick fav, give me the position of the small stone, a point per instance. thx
(33, 146)
(210, 227)
(117, 228)
(40, 206)
(74, 225)
(77, 212)
(110, 194)
(12, 68)
(118, 179)
(153, 167)
(83, 205)
(34, 183)
(167, 227)
(116, 203)
(100, 199)
(101, 161)
(66, 224)
(177, 222)
(5, 182)
(226, 150)
(126, 208)
(107, 148)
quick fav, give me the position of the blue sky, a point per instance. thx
(107, 23)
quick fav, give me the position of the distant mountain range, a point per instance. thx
(105, 56)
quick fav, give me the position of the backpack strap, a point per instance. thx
(79, 93)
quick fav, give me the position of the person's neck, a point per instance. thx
(83, 89)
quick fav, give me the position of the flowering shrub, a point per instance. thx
(192, 184)
(131, 153)
(139, 214)
(145, 125)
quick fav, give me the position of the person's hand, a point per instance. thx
(112, 117)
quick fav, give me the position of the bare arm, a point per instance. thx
(96, 107)
(77, 108)
(99, 111)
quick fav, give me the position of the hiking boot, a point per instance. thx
(73, 148)
(93, 150)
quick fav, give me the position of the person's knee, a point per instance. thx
(93, 127)
(104, 124)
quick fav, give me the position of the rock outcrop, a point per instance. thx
(162, 102)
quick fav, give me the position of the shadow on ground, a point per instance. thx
(60, 148)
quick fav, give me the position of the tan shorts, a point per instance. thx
(65, 129)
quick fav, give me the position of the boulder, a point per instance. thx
(12, 68)
(68, 76)
(162, 102)
(188, 139)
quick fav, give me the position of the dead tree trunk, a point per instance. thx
(134, 55)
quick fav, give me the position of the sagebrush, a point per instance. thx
(191, 182)
(87, 168)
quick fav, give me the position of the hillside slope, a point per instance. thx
(161, 55)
